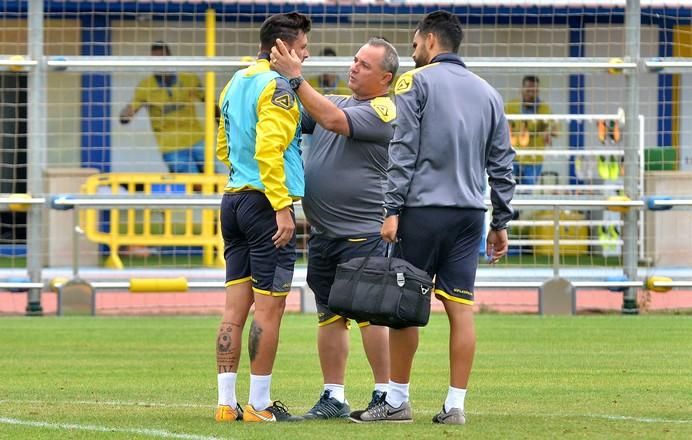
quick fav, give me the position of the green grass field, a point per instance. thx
(534, 377)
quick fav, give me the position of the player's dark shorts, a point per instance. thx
(248, 223)
(444, 242)
(324, 253)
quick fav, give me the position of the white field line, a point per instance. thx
(96, 428)
(589, 416)
(641, 419)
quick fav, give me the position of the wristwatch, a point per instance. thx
(388, 212)
(296, 82)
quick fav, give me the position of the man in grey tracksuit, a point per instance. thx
(450, 130)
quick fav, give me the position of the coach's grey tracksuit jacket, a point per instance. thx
(450, 128)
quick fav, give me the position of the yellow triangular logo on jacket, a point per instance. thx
(385, 108)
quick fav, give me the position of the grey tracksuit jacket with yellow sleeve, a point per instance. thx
(450, 130)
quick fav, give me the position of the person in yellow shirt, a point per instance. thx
(530, 135)
(171, 100)
(329, 83)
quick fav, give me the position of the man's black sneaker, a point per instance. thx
(328, 408)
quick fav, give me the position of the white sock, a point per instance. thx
(336, 391)
(226, 383)
(397, 394)
(455, 398)
(259, 391)
(381, 387)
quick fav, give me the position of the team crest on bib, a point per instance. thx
(283, 99)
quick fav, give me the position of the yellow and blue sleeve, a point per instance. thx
(278, 116)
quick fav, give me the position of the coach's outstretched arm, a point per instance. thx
(322, 110)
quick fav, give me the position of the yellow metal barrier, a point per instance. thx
(155, 285)
(155, 227)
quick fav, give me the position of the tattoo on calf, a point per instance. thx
(253, 345)
(225, 356)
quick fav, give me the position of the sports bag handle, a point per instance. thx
(359, 272)
(388, 272)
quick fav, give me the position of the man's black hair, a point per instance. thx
(161, 45)
(328, 52)
(445, 26)
(283, 26)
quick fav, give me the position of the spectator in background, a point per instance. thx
(329, 83)
(530, 135)
(171, 99)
